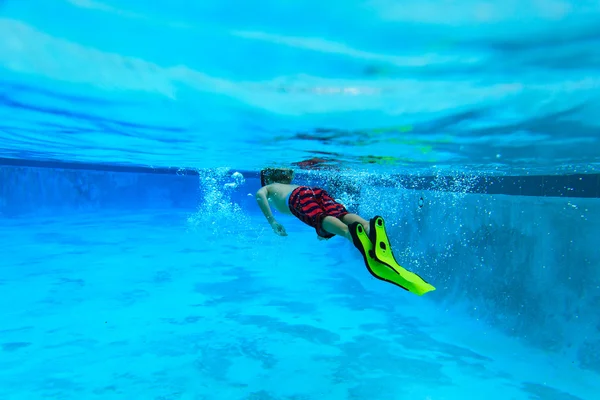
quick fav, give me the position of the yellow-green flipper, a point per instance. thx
(384, 254)
(380, 261)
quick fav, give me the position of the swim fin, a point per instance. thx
(377, 269)
(383, 253)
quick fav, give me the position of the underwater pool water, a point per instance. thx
(135, 264)
(134, 305)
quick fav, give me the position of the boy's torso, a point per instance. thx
(278, 196)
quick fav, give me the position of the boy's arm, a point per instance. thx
(263, 203)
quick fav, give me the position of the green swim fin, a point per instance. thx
(383, 253)
(378, 269)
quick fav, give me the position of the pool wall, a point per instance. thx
(528, 265)
(39, 191)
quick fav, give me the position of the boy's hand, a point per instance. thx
(278, 228)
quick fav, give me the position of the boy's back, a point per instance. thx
(278, 194)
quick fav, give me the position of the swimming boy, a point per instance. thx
(316, 208)
(312, 205)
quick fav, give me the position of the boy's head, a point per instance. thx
(276, 175)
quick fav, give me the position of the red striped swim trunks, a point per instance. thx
(312, 205)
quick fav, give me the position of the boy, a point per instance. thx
(312, 205)
(316, 208)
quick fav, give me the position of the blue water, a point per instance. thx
(127, 285)
(115, 306)
(148, 283)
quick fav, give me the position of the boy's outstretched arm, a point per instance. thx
(263, 203)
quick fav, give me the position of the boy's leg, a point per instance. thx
(335, 226)
(339, 227)
(351, 218)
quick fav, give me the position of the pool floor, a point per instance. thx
(120, 306)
